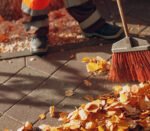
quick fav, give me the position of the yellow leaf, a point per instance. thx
(115, 119)
(117, 89)
(121, 129)
(100, 128)
(42, 116)
(123, 98)
(85, 59)
(52, 111)
(110, 100)
(92, 67)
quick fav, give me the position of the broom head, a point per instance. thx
(130, 60)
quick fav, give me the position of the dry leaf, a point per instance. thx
(117, 89)
(1, 19)
(90, 125)
(83, 114)
(52, 111)
(88, 98)
(121, 112)
(92, 67)
(73, 124)
(28, 126)
(69, 92)
(93, 106)
(100, 128)
(85, 59)
(87, 83)
(123, 98)
(4, 38)
(42, 116)
(63, 116)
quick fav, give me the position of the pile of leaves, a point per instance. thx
(128, 108)
(63, 29)
(96, 65)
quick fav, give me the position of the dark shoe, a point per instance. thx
(39, 45)
(107, 31)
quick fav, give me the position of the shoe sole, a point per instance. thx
(103, 36)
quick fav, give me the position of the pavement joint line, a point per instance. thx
(63, 98)
(77, 87)
(13, 119)
(36, 87)
(12, 76)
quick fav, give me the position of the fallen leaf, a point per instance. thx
(100, 128)
(69, 92)
(123, 98)
(87, 83)
(92, 67)
(88, 98)
(83, 114)
(93, 106)
(52, 111)
(42, 116)
(85, 59)
(28, 126)
(90, 125)
(1, 19)
(4, 38)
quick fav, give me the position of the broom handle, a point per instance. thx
(121, 11)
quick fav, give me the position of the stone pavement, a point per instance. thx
(29, 85)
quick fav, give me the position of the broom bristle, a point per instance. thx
(130, 66)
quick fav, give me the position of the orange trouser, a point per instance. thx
(84, 11)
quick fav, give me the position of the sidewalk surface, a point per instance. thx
(30, 85)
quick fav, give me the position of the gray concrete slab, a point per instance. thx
(8, 123)
(19, 86)
(9, 67)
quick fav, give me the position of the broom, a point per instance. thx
(130, 58)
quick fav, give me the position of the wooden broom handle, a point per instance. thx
(121, 11)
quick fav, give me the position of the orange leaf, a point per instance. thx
(100, 128)
(4, 38)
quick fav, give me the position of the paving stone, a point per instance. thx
(8, 123)
(50, 93)
(49, 63)
(19, 86)
(9, 68)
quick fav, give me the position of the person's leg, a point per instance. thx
(90, 20)
(36, 15)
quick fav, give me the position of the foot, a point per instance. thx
(107, 31)
(39, 45)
